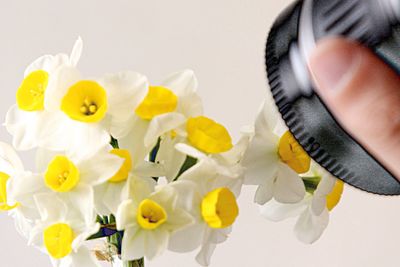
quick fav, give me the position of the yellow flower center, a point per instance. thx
(30, 94)
(207, 135)
(61, 174)
(291, 153)
(85, 101)
(334, 197)
(58, 239)
(150, 215)
(159, 100)
(219, 208)
(3, 193)
(126, 167)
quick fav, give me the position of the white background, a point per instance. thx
(223, 42)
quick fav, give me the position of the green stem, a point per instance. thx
(135, 263)
(154, 151)
(114, 142)
(189, 162)
(311, 183)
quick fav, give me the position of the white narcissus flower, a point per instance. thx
(68, 179)
(165, 107)
(21, 207)
(212, 202)
(91, 108)
(110, 194)
(226, 164)
(202, 139)
(29, 121)
(148, 218)
(324, 193)
(274, 163)
(62, 231)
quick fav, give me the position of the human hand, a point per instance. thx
(363, 93)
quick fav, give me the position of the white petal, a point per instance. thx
(276, 211)
(86, 139)
(326, 185)
(24, 127)
(156, 243)
(82, 199)
(190, 105)
(64, 262)
(188, 239)
(36, 236)
(22, 224)
(219, 236)
(44, 157)
(134, 140)
(289, 187)
(309, 228)
(318, 204)
(202, 174)
(76, 52)
(267, 118)
(179, 219)
(51, 208)
(170, 158)
(189, 196)
(264, 192)
(126, 215)
(42, 128)
(190, 151)
(25, 185)
(99, 168)
(205, 254)
(230, 171)
(148, 169)
(140, 188)
(42, 63)
(236, 154)
(83, 257)
(59, 83)
(9, 160)
(54, 129)
(83, 236)
(234, 184)
(99, 200)
(125, 91)
(206, 251)
(165, 196)
(261, 160)
(120, 128)
(162, 124)
(47, 63)
(182, 83)
(112, 196)
(133, 244)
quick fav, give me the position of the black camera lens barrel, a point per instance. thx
(375, 24)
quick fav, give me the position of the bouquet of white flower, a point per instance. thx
(141, 167)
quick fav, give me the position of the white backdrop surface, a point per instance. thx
(223, 42)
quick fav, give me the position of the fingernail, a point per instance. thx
(333, 63)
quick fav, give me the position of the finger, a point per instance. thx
(363, 93)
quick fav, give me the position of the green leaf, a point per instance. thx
(311, 183)
(114, 142)
(189, 162)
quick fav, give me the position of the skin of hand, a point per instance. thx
(363, 94)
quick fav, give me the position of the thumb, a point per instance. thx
(363, 93)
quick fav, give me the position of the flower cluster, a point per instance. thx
(140, 165)
(289, 183)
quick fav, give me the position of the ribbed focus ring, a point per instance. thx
(361, 20)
